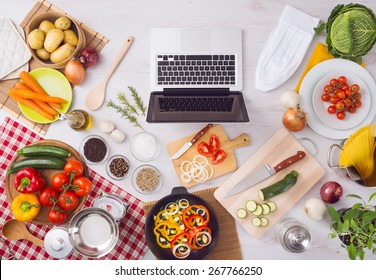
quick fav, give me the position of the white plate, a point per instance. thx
(313, 77)
(351, 119)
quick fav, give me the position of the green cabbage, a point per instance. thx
(351, 31)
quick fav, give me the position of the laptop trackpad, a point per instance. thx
(195, 40)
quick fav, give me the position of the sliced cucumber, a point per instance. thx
(272, 206)
(241, 213)
(265, 209)
(251, 205)
(258, 211)
(264, 221)
(256, 221)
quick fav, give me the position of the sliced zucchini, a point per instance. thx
(241, 213)
(251, 205)
(258, 211)
(256, 221)
(264, 221)
(265, 209)
(272, 206)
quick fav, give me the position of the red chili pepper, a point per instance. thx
(28, 180)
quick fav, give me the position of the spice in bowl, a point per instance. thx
(117, 167)
(145, 146)
(94, 149)
(146, 179)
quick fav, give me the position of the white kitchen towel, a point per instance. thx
(285, 48)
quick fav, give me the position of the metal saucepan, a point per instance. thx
(176, 194)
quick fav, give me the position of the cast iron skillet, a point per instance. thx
(166, 254)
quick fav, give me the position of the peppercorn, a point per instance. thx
(95, 150)
(119, 167)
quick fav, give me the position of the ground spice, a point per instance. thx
(147, 179)
(119, 167)
(95, 150)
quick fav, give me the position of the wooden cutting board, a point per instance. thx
(228, 165)
(280, 146)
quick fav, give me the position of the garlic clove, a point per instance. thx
(106, 126)
(117, 136)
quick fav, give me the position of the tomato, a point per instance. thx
(204, 149)
(342, 80)
(347, 102)
(357, 103)
(74, 166)
(357, 96)
(57, 216)
(345, 87)
(68, 200)
(331, 109)
(348, 92)
(333, 82)
(333, 99)
(59, 180)
(340, 105)
(219, 157)
(48, 196)
(214, 143)
(82, 186)
(327, 88)
(352, 109)
(341, 94)
(341, 115)
(325, 97)
(355, 87)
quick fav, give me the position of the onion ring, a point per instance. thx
(186, 177)
(184, 255)
(207, 234)
(183, 200)
(186, 162)
(175, 211)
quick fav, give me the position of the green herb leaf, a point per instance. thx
(355, 196)
(137, 99)
(368, 217)
(124, 113)
(333, 214)
(351, 251)
(319, 28)
(122, 99)
(351, 214)
(372, 196)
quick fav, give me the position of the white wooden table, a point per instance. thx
(117, 19)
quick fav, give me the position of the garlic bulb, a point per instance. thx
(117, 136)
(289, 99)
(106, 126)
(315, 208)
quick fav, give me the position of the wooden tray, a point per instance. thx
(47, 175)
(93, 39)
(228, 165)
(280, 146)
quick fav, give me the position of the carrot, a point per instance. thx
(31, 104)
(25, 93)
(41, 104)
(34, 86)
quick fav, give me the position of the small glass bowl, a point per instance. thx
(139, 171)
(113, 176)
(82, 152)
(145, 146)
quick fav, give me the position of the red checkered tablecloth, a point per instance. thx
(131, 244)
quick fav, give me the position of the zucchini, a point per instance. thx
(241, 213)
(279, 187)
(251, 205)
(265, 209)
(264, 221)
(44, 150)
(258, 211)
(272, 206)
(38, 163)
(256, 221)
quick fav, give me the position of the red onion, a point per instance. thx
(88, 57)
(331, 192)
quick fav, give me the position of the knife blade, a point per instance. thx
(262, 172)
(189, 144)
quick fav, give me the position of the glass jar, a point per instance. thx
(293, 236)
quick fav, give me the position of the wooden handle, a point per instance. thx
(201, 132)
(287, 162)
(240, 141)
(35, 240)
(128, 42)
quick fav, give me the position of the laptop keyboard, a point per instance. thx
(196, 69)
(196, 104)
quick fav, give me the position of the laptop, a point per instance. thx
(196, 75)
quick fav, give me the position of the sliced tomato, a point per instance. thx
(219, 157)
(204, 149)
(214, 143)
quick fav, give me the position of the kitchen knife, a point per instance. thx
(189, 144)
(262, 172)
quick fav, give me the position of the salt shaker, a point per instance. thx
(293, 236)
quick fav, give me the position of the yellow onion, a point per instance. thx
(75, 72)
(294, 119)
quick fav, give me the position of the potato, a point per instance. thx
(53, 39)
(46, 26)
(63, 23)
(62, 53)
(35, 39)
(70, 37)
(43, 54)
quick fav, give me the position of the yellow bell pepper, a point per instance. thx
(25, 207)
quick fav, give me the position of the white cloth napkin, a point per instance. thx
(285, 48)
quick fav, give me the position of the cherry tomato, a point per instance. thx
(327, 88)
(341, 94)
(342, 80)
(214, 143)
(357, 103)
(68, 200)
(352, 109)
(204, 149)
(340, 105)
(333, 99)
(57, 216)
(357, 96)
(331, 109)
(82, 186)
(48, 196)
(355, 87)
(59, 180)
(325, 97)
(348, 92)
(341, 115)
(347, 102)
(74, 166)
(219, 157)
(333, 82)
(345, 87)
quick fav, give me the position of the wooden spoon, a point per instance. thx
(95, 97)
(16, 230)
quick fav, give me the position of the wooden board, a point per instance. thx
(228, 165)
(280, 146)
(93, 39)
(47, 174)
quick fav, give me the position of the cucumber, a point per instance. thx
(258, 211)
(256, 221)
(43, 150)
(264, 221)
(272, 206)
(38, 163)
(251, 205)
(279, 187)
(241, 213)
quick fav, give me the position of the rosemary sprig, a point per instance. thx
(137, 99)
(125, 113)
(121, 97)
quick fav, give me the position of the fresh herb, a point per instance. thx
(123, 100)
(137, 99)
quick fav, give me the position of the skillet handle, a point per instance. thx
(179, 190)
(330, 156)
